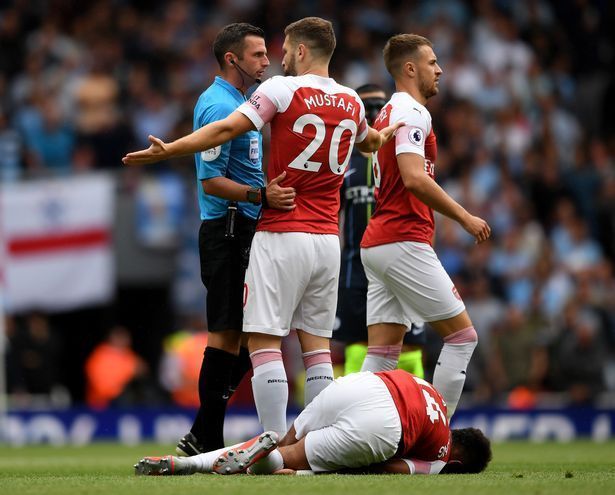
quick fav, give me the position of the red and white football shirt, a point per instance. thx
(425, 432)
(314, 125)
(399, 215)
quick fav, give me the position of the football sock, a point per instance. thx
(318, 372)
(270, 388)
(204, 463)
(450, 373)
(412, 362)
(269, 464)
(354, 357)
(214, 381)
(381, 358)
(242, 366)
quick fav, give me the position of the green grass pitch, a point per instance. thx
(517, 467)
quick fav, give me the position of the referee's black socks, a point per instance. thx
(214, 383)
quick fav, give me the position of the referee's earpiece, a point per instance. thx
(243, 72)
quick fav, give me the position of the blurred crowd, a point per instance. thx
(526, 140)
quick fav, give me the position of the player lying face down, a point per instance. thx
(386, 422)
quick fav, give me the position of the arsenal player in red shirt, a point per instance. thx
(406, 281)
(386, 422)
(292, 276)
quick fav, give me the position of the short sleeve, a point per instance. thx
(411, 137)
(363, 127)
(214, 161)
(270, 98)
(424, 467)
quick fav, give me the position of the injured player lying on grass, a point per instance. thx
(385, 422)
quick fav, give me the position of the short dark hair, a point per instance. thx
(372, 104)
(231, 38)
(370, 88)
(472, 450)
(316, 33)
(400, 47)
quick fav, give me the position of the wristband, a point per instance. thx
(264, 202)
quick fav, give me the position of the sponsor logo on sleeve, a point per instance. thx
(211, 154)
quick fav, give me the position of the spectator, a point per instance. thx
(11, 150)
(579, 357)
(112, 368)
(99, 124)
(513, 360)
(51, 141)
(34, 348)
(181, 362)
(583, 254)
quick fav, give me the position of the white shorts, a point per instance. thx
(408, 284)
(291, 282)
(351, 423)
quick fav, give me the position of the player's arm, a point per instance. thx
(416, 466)
(375, 139)
(412, 170)
(403, 466)
(278, 197)
(392, 466)
(206, 137)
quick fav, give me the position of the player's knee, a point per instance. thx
(464, 336)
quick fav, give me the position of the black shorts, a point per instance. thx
(352, 316)
(223, 268)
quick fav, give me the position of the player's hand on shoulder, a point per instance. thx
(477, 227)
(387, 133)
(157, 151)
(279, 197)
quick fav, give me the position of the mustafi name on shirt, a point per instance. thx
(322, 100)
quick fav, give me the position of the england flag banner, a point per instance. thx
(55, 243)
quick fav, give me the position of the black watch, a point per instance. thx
(253, 195)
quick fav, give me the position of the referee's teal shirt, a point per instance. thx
(240, 159)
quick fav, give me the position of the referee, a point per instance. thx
(231, 194)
